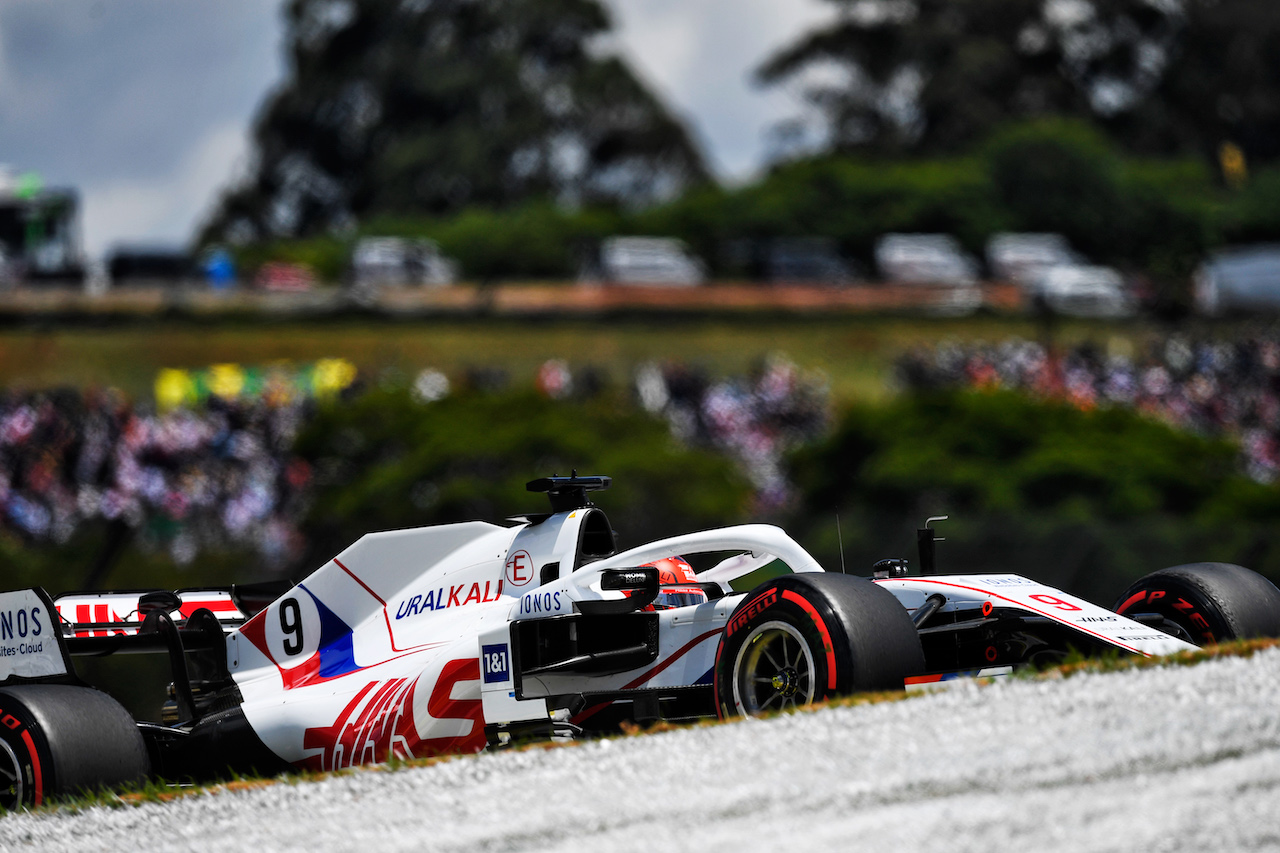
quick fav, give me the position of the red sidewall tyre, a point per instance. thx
(58, 739)
(811, 636)
(1212, 602)
(22, 772)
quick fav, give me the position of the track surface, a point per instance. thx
(1163, 759)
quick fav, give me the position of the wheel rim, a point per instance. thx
(11, 786)
(774, 670)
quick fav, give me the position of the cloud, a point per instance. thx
(167, 208)
(701, 57)
(145, 105)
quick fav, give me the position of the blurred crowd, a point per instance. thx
(184, 479)
(1225, 389)
(211, 466)
(755, 419)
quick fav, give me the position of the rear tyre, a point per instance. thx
(58, 739)
(1210, 602)
(808, 637)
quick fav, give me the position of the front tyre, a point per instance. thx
(808, 637)
(1209, 602)
(58, 739)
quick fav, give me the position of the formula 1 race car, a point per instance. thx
(459, 637)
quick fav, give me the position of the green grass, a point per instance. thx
(854, 352)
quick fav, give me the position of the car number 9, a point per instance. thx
(293, 630)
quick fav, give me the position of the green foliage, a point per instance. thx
(1085, 499)
(385, 461)
(140, 564)
(1159, 217)
(936, 79)
(1064, 176)
(936, 76)
(534, 241)
(850, 201)
(425, 109)
(1253, 214)
(1058, 176)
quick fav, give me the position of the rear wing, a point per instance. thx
(117, 614)
(107, 614)
(38, 634)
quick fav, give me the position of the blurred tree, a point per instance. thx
(406, 107)
(386, 460)
(1086, 500)
(1222, 86)
(1163, 76)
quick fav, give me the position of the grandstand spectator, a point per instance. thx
(1215, 388)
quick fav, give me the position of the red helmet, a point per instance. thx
(677, 584)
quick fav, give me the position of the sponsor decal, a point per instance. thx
(1154, 596)
(1185, 609)
(444, 597)
(519, 569)
(541, 602)
(20, 623)
(378, 722)
(124, 608)
(28, 641)
(750, 609)
(496, 660)
(91, 613)
(1004, 581)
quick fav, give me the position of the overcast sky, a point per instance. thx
(145, 105)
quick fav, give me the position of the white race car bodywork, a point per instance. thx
(458, 637)
(972, 592)
(401, 646)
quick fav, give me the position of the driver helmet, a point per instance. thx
(677, 584)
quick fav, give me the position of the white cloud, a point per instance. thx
(700, 56)
(164, 209)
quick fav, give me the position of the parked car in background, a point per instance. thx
(150, 266)
(807, 259)
(1022, 258)
(1245, 278)
(400, 262)
(924, 259)
(1081, 291)
(645, 260)
(282, 277)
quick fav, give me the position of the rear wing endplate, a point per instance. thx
(31, 642)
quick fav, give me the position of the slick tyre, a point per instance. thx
(807, 637)
(1210, 602)
(58, 739)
